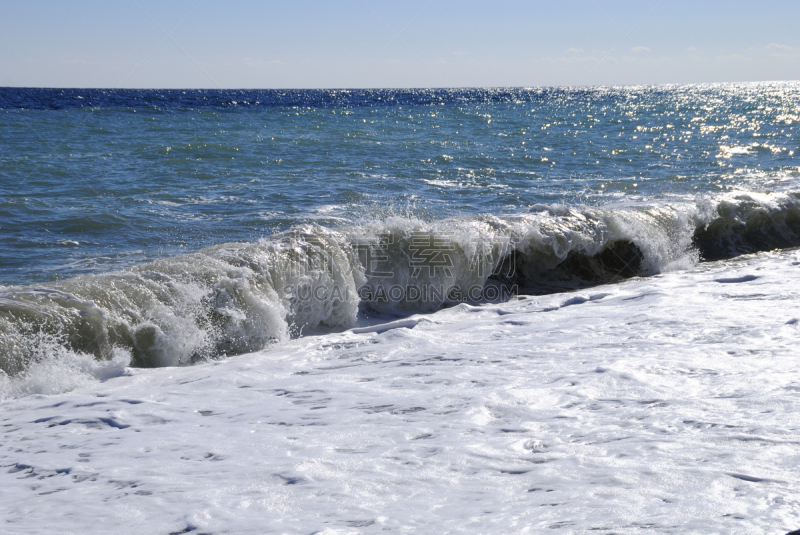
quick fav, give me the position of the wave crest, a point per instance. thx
(240, 297)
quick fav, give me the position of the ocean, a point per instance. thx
(447, 310)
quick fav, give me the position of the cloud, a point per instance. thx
(691, 49)
(640, 49)
(776, 46)
(573, 50)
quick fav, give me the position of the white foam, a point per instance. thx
(664, 404)
(60, 370)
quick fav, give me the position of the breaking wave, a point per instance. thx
(240, 297)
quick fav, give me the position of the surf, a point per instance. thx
(236, 298)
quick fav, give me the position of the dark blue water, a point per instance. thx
(96, 180)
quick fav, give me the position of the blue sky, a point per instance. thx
(374, 43)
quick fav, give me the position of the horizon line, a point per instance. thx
(396, 88)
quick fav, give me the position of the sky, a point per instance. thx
(376, 43)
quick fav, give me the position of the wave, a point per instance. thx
(748, 223)
(240, 297)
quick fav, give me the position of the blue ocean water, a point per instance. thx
(184, 225)
(98, 180)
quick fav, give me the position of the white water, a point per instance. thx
(669, 404)
(237, 298)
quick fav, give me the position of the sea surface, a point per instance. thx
(437, 310)
(185, 225)
(100, 180)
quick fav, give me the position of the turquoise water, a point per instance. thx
(92, 181)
